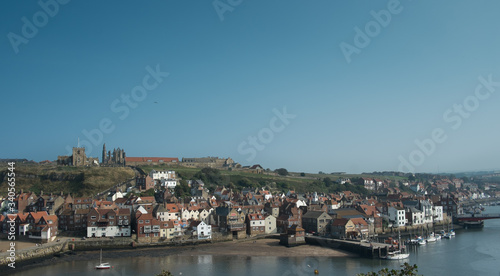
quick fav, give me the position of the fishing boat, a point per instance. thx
(101, 264)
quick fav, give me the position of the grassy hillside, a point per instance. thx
(88, 181)
(79, 181)
(294, 181)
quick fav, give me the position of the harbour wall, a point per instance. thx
(361, 249)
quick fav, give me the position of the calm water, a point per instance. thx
(471, 252)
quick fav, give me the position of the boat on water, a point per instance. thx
(421, 241)
(432, 237)
(399, 253)
(101, 264)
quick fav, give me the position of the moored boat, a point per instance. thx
(101, 264)
(397, 255)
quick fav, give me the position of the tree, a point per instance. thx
(328, 181)
(150, 192)
(281, 171)
(406, 270)
(302, 174)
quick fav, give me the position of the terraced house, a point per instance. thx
(108, 223)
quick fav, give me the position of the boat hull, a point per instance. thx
(400, 256)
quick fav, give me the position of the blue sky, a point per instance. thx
(227, 80)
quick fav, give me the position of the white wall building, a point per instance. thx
(203, 231)
(437, 212)
(157, 175)
(398, 216)
(108, 231)
(168, 183)
(270, 225)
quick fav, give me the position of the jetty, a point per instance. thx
(362, 248)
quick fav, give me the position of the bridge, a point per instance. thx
(475, 220)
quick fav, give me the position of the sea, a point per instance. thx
(470, 252)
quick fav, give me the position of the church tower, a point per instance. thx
(103, 160)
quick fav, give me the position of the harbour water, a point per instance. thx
(471, 252)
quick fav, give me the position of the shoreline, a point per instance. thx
(251, 248)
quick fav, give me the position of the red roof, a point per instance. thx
(359, 221)
(255, 217)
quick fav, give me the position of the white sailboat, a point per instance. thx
(101, 264)
(398, 254)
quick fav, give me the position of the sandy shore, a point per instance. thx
(264, 247)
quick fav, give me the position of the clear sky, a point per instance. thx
(305, 85)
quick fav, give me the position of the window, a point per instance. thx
(92, 217)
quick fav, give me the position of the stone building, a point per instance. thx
(138, 161)
(210, 162)
(113, 158)
(78, 159)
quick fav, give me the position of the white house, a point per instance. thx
(108, 223)
(205, 215)
(417, 216)
(174, 212)
(332, 205)
(270, 225)
(437, 213)
(398, 216)
(158, 175)
(168, 183)
(300, 203)
(202, 230)
(426, 207)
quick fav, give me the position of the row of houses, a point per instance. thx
(39, 226)
(237, 213)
